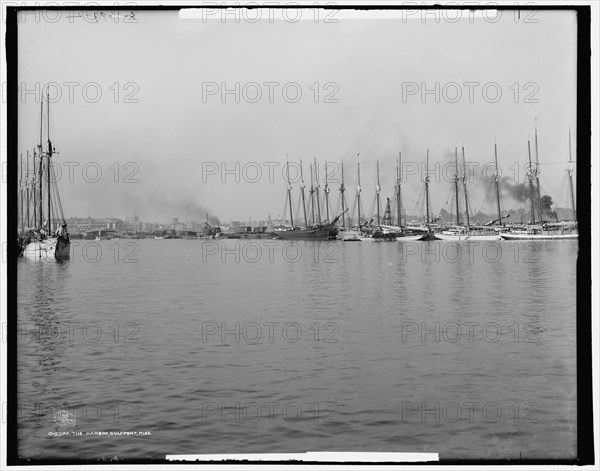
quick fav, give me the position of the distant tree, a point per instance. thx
(480, 217)
(444, 215)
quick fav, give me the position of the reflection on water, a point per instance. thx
(428, 347)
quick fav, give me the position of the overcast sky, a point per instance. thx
(173, 134)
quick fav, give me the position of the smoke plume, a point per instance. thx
(517, 191)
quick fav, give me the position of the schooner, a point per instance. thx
(43, 229)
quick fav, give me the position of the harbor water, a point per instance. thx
(137, 349)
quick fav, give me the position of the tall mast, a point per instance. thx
(570, 173)
(456, 185)
(289, 192)
(34, 191)
(40, 168)
(531, 188)
(21, 194)
(342, 190)
(27, 192)
(358, 190)
(537, 177)
(497, 184)
(326, 193)
(465, 187)
(48, 157)
(377, 190)
(317, 188)
(41, 120)
(398, 188)
(427, 189)
(312, 194)
(302, 185)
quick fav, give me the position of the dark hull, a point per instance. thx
(306, 234)
(63, 248)
(429, 236)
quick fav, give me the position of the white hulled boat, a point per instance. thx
(566, 230)
(461, 235)
(43, 227)
(469, 232)
(543, 230)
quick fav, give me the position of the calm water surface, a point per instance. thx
(258, 346)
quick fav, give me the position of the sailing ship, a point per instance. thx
(312, 232)
(345, 234)
(383, 230)
(386, 229)
(318, 230)
(469, 232)
(423, 232)
(376, 228)
(43, 232)
(545, 230)
(362, 228)
(406, 234)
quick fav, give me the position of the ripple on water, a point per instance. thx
(154, 368)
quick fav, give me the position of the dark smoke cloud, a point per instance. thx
(517, 191)
(166, 207)
(546, 203)
(198, 213)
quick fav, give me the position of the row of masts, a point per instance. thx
(533, 176)
(314, 195)
(314, 189)
(463, 178)
(457, 180)
(32, 185)
(315, 199)
(316, 216)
